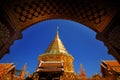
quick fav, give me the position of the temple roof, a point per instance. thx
(5, 68)
(50, 66)
(111, 65)
(56, 46)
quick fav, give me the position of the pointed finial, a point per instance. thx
(57, 28)
(81, 66)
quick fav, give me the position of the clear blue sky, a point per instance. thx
(79, 40)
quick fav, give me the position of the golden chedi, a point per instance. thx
(55, 54)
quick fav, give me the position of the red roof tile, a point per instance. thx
(6, 67)
(112, 64)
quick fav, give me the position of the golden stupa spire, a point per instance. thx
(56, 46)
(57, 33)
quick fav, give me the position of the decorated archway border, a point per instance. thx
(17, 16)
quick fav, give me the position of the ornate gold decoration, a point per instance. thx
(56, 46)
(57, 52)
(114, 37)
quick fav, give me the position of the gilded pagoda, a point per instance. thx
(55, 64)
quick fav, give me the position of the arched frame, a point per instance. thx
(101, 16)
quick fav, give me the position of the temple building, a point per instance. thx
(110, 70)
(56, 63)
(8, 70)
(101, 16)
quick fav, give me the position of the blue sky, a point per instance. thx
(79, 40)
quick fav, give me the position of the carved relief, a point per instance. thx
(114, 37)
(81, 10)
(4, 34)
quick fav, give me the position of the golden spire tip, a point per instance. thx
(57, 28)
